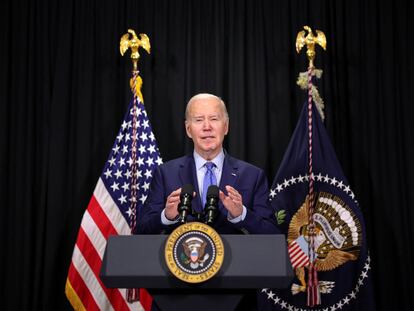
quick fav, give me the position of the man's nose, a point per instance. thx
(206, 124)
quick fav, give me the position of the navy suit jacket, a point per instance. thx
(248, 180)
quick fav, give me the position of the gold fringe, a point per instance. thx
(73, 297)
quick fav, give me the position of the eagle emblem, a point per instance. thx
(338, 239)
(194, 252)
(310, 40)
(131, 41)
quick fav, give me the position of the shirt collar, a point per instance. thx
(200, 161)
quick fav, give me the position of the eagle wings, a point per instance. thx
(333, 258)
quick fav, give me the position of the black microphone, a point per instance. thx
(184, 208)
(211, 206)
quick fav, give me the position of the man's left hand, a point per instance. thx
(233, 202)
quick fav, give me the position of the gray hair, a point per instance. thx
(204, 96)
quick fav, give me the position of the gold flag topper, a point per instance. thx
(131, 40)
(310, 40)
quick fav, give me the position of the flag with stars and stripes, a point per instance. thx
(111, 211)
(340, 255)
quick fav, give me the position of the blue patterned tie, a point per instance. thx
(209, 179)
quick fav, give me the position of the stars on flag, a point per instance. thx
(117, 173)
(337, 306)
(287, 182)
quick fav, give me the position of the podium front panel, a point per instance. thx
(250, 261)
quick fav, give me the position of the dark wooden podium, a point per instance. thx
(250, 262)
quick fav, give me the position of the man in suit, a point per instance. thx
(243, 206)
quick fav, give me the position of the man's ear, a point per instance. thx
(227, 127)
(187, 129)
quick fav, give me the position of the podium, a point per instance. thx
(250, 262)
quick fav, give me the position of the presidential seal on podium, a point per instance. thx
(194, 252)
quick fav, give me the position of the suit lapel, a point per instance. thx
(188, 175)
(229, 177)
(230, 173)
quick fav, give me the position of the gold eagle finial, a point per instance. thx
(134, 43)
(310, 40)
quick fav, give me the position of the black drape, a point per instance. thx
(64, 90)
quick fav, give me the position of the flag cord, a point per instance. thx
(134, 157)
(132, 294)
(312, 290)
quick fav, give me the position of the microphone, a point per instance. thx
(184, 207)
(211, 206)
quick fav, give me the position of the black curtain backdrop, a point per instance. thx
(64, 91)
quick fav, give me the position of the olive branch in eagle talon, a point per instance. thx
(280, 216)
(184, 259)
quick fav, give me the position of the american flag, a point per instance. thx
(110, 212)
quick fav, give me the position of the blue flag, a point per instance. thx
(342, 259)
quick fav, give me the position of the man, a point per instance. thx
(243, 206)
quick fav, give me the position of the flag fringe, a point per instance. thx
(73, 298)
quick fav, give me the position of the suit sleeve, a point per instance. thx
(149, 218)
(259, 218)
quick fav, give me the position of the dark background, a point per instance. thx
(64, 91)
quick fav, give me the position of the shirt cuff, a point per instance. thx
(165, 220)
(237, 219)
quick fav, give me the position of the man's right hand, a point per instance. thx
(171, 206)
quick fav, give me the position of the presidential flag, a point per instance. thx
(340, 257)
(112, 211)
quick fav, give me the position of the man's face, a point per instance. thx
(206, 126)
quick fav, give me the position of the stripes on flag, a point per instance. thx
(298, 253)
(109, 213)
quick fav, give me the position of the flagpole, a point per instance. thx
(131, 41)
(310, 40)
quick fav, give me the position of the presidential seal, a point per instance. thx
(338, 239)
(194, 252)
